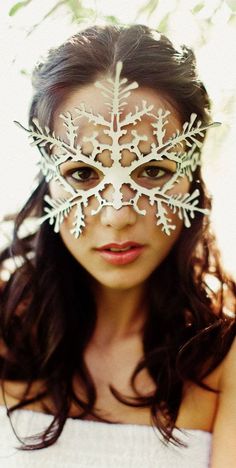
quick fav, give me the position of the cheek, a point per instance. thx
(76, 245)
(181, 187)
(161, 240)
(56, 192)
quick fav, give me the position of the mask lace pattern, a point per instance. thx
(182, 148)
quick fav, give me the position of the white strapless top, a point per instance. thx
(89, 444)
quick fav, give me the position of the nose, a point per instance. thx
(121, 217)
(118, 219)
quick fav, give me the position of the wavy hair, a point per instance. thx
(43, 336)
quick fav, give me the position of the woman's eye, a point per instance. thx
(153, 175)
(82, 175)
(154, 172)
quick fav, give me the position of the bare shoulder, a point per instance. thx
(224, 430)
(11, 392)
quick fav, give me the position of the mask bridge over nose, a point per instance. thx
(118, 196)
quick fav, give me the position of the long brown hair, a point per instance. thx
(44, 337)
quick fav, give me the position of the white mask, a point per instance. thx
(187, 159)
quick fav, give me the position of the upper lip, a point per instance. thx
(114, 245)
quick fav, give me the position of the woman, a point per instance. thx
(110, 318)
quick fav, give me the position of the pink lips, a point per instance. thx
(123, 254)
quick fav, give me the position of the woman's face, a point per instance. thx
(120, 248)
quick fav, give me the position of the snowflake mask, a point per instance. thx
(186, 159)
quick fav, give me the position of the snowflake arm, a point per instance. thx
(57, 211)
(95, 119)
(159, 126)
(71, 129)
(189, 162)
(42, 137)
(78, 223)
(190, 133)
(132, 119)
(117, 91)
(186, 205)
(162, 218)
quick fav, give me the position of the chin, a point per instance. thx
(122, 280)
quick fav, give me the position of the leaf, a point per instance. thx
(49, 13)
(112, 19)
(163, 25)
(18, 6)
(197, 8)
(25, 72)
(148, 8)
(78, 11)
(231, 4)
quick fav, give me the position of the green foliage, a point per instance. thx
(231, 4)
(111, 19)
(198, 8)
(80, 14)
(148, 8)
(163, 25)
(78, 11)
(18, 6)
(25, 72)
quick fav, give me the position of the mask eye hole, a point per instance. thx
(81, 176)
(154, 173)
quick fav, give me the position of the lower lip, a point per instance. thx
(121, 258)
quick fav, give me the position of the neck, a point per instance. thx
(120, 314)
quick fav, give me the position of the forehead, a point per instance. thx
(94, 100)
